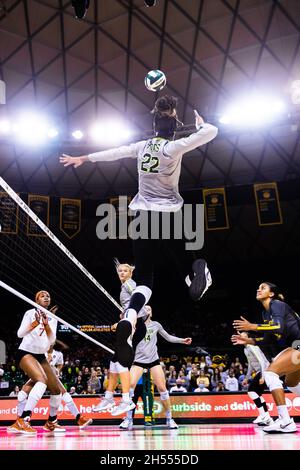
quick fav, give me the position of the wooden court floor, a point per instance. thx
(187, 437)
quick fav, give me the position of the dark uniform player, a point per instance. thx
(280, 329)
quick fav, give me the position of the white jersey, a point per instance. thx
(146, 350)
(159, 166)
(127, 290)
(257, 361)
(36, 341)
(56, 358)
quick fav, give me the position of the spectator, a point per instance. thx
(178, 388)
(215, 378)
(231, 383)
(203, 379)
(72, 391)
(79, 386)
(201, 388)
(220, 387)
(172, 379)
(94, 383)
(15, 392)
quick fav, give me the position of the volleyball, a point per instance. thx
(155, 80)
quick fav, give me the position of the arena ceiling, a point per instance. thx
(79, 70)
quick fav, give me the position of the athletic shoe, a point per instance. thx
(22, 426)
(53, 426)
(266, 421)
(201, 281)
(104, 404)
(123, 407)
(126, 425)
(171, 424)
(281, 426)
(82, 421)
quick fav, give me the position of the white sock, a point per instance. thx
(169, 414)
(55, 401)
(109, 395)
(35, 395)
(125, 397)
(283, 412)
(22, 399)
(68, 400)
(130, 415)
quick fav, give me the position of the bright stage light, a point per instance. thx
(5, 127)
(253, 111)
(52, 133)
(111, 132)
(31, 129)
(77, 134)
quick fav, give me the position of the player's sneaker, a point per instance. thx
(200, 281)
(126, 425)
(281, 425)
(104, 404)
(123, 407)
(53, 426)
(264, 421)
(82, 421)
(171, 424)
(22, 426)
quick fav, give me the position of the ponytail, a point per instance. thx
(273, 288)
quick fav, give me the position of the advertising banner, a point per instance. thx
(204, 406)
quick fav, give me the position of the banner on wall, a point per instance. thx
(267, 204)
(70, 216)
(9, 212)
(197, 406)
(40, 205)
(216, 215)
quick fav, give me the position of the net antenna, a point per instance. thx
(30, 261)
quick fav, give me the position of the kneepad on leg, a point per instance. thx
(272, 380)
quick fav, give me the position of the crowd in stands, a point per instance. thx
(187, 374)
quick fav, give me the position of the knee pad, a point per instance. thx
(38, 391)
(253, 395)
(22, 396)
(295, 390)
(67, 398)
(164, 395)
(130, 316)
(124, 352)
(272, 380)
(55, 400)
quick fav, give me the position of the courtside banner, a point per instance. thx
(183, 406)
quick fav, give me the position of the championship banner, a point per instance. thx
(40, 205)
(9, 212)
(216, 216)
(267, 204)
(204, 406)
(70, 216)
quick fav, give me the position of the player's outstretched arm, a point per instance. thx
(67, 160)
